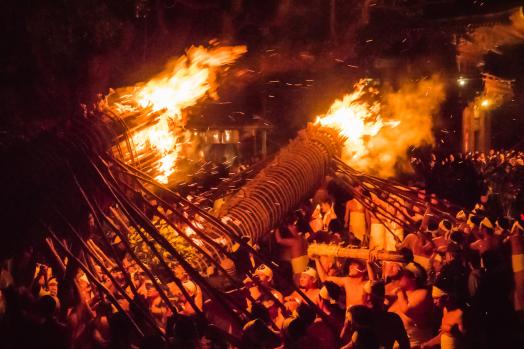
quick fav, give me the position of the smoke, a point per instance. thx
(408, 118)
(485, 39)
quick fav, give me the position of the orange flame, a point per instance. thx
(185, 81)
(357, 120)
(379, 131)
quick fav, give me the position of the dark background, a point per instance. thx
(59, 54)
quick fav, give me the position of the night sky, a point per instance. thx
(61, 54)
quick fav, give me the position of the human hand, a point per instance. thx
(373, 256)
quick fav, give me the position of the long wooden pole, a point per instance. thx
(316, 250)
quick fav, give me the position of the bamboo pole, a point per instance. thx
(220, 226)
(148, 272)
(100, 286)
(140, 220)
(118, 287)
(111, 248)
(330, 250)
(55, 254)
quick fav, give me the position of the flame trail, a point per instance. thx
(185, 81)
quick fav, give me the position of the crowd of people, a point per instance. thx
(462, 178)
(460, 286)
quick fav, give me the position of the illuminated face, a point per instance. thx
(325, 207)
(355, 269)
(264, 274)
(306, 281)
(263, 278)
(151, 291)
(292, 229)
(393, 270)
(438, 301)
(53, 288)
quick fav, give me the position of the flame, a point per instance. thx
(380, 128)
(357, 120)
(185, 81)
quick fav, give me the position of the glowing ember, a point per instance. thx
(186, 81)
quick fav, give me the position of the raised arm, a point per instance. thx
(322, 274)
(426, 217)
(282, 241)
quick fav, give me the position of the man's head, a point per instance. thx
(413, 277)
(259, 311)
(325, 205)
(47, 306)
(356, 268)
(439, 296)
(452, 252)
(486, 227)
(503, 224)
(264, 274)
(293, 328)
(361, 317)
(377, 294)
(151, 291)
(308, 278)
(393, 270)
(358, 188)
(432, 229)
(444, 227)
(461, 216)
(52, 286)
(306, 313)
(328, 295)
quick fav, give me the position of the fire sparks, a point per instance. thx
(185, 81)
(380, 128)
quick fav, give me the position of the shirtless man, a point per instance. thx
(356, 218)
(378, 231)
(296, 246)
(487, 241)
(414, 304)
(451, 328)
(353, 284)
(421, 243)
(322, 216)
(441, 239)
(387, 325)
(308, 284)
(260, 293)
(194, 291)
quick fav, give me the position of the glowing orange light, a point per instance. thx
(185, 81)
(356, 119)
